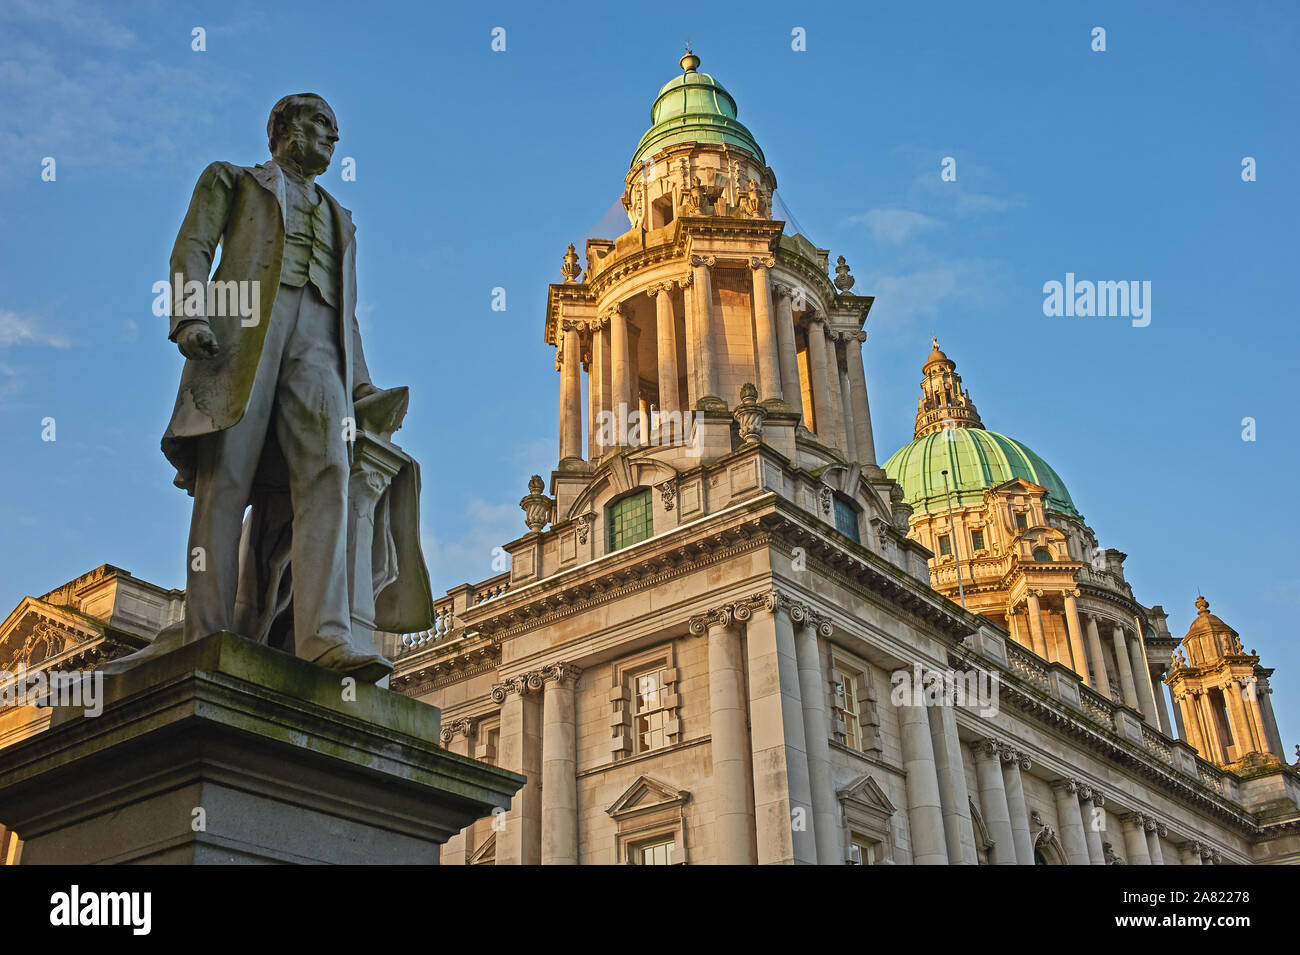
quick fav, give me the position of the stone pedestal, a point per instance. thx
(224, 751)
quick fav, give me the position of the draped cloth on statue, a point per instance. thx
(403, 599)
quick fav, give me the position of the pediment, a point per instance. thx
(1017, 485)
(865, 793)
(647, 793)
(485, 854)
(37, 631)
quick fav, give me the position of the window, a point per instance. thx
(1022, 521)
(649, 710)
(630, 520)
(1041, 554)
(846, 518)
(945, 545)
(977, 540)
(848, 727)
(656, 852)
(863, 851)
(644, 704)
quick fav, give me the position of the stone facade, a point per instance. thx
(728, 637)
(725, 681)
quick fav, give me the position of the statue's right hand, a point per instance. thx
(197, 342)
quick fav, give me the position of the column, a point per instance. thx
(599, 389)
(1243, 732)
(1094, 823)
(640, 434)
(458, 738)
(1070, 818)
(571, 391)
(1264, 695)
(620, 361)
(733, 832)
(784, 819)
(666, 329)
(559, 767)
(1190, 853)
(1125, 668)
(1035, 616)
(846, 415)
(1012, 763)
(823, 410)
(1142, 680)
(1142, 673)
(788, 359)
(1162, 706)
(1154, 831)
(1135, 839)
(1076, 636)
(836, 389)
(519, 831)
(993, 800)
(924, 808)
(1098, 659)
(864, 441)
(765, 339)
(959, 833)
(812, 696)
(705, 333)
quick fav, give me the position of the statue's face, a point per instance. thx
(312, 135)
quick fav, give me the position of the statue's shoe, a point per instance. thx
(344, 658)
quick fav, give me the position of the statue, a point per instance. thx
(274, 400)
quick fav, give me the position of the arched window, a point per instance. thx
(1042, 554)
(630, 519)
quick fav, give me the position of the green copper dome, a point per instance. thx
(976, 460)
(694, 108)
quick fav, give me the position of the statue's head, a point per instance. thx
(302, 128)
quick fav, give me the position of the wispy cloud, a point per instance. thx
(101, 106)
(895, 226)
(16, 329)
(81, 19)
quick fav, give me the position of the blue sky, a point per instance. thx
(475, 169)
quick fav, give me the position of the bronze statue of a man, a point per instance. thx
(266, 410)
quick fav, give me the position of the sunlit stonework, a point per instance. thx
(706, 645)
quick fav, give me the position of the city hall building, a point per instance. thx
(730, 635)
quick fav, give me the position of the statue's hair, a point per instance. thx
(284, 112)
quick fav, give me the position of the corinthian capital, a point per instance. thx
(1069, 786)
(988, 747)
(562, 673)
(687, 280)
(724, 616)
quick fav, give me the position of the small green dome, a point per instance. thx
(976, 460)
(694, 108)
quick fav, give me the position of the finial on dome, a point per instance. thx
(690, 61)
(1202, 605)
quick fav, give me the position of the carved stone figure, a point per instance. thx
(272, 398)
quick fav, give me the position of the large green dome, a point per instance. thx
(694, 108)
(976, 460)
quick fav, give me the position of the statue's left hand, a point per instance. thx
(362, 389)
